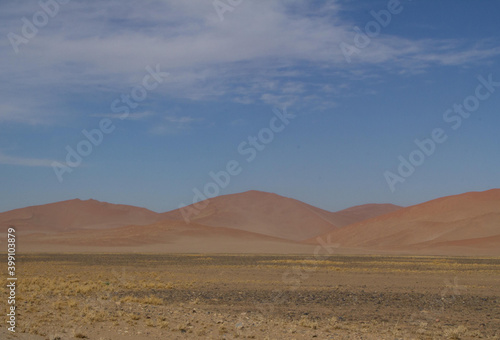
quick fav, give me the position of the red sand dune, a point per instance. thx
(253, 221)
(263, 213)
(275, 215)
(253, 211)
(161, 237)
(361, 212)
(470, 220)
(76, 214)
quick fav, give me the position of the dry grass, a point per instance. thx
(84, 294)
(307, 322)
(455, 333)
(148, 300)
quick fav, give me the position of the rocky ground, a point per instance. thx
(255, 297)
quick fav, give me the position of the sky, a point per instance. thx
(146, 102)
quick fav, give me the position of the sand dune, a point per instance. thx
(275, 215)
(76, 214)
(252, 211)
(263, 213)
(470, 221)
(163, 237)
(254, 221)
(361, 212)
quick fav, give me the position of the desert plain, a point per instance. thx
(209, 296)
(257, 266)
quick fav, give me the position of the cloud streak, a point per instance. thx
(131, 116)
(21, 161)
(172, 124)
(104, 46)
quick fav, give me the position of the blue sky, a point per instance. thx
(226, 78)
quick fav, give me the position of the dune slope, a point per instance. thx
(470, 220)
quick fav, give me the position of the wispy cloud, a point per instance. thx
(131, 116)
(175, 124)
(22, 161)
(15, 109)
(180, 120)
(103, 46)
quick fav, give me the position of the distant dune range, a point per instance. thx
(455, 225)
(278, 216)
(260, 222)
(77, 214)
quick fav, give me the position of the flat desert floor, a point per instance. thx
(134, 296)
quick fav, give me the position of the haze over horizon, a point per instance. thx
(226, 79)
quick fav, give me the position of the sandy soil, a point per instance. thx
(118, 296)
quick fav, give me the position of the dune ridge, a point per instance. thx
(256, 221)
(471, 220)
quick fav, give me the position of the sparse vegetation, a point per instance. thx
(247, 297)
(455, 333)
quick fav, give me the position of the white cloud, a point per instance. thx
(131, 116)
(25, 112)
(180, 120)
(104, 46)
(278, 100)
(21, 161)
(172, 124)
